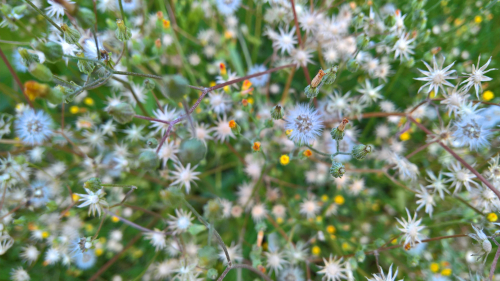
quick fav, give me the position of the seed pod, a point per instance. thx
(311, 92)
(71, 35)
(338, 133)
(277, 112)
(192, 151)
(56, 95)
(52, 51)
(85, 66)
(40, 71)
(331, 75)
(122, 32)
(122, 112)
(337, 170)
(317, 79)
(93, 184)
(360, 151)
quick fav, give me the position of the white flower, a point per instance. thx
(425, 200)
(230, 76)
(411, 229)
(301, 57)
(52, 256)
(55, 9)
(382, 277)
(219, 102)
(228, 7)
(454, 100)
(291, 273)
(285, 41)
(485, 244)
(157, 239)
(5, 242)
(399, 25)
(234, 252)
(485, 199)
(437, 183)
(259, 81)
(309, 208)
(245, 195)
(183, 176)
(19, 274)
(406, 169)
(403, 47)
(275, 260)
(259, 212)
(136, 93)
(202, 132)
(437, 76)
(305, 123)
(333, 270)
(95, 200)
(222, 131)
(168, 152)
(470, 132)
(95, 138)
(181, 222)
(165, 269)
(370, 94)
(134, 133)
(477, 76)
(494, 169)
(297, 253)
(32, 127)
(30, 254)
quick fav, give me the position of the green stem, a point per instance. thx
(137, 74)
(44, 15)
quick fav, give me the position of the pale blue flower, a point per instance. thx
(85, 260)
(305, 123)
(470, 132)
(33, 127)
(228, 7)
(259, 81)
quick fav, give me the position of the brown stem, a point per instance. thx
(495, 260)
(151, 119)
(297, 28)
(418, 150)
(287, 86)
(16, 78)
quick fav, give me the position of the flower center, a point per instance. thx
(303, 123)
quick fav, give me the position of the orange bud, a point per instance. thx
(246, 85)
(342, 125)
(159, 15)
(256, 146)
(158, 43)
(317, 79)
(166, 24)
(307, 153)
(223, 70)
(232, 124)
(34, 89)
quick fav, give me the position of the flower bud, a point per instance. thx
(338, 133)
(85, 66)
(176, 86)
(71, 35)
(152, 143)
(86, 17)
(93, 184)
(331, 75)
(56, 95)
(317, 79)
(122, 32)
(352, 65)
(122, 112)
(148, 160)
(192, 151)
(360, 256)
(212, 273)
(27, 56)
(277, 112)
(358, 20)
(390, 20)
(40, 71)
(235, 128)
(256, 146)
(360, 151)
(148, 84)
(52, 51)
(34, 90)
(362, 41)
(337, 170)
(311, 92)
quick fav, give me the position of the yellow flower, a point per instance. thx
(232, 124)
(331, 229)
(319, 219)
(339, 199)
(166, 24)
(434, 267)
(488, 95)
(284, 159)
(256, 146)
(88, 101)
(492, 217)
(405, 136)
(250, 100)
(279, 220)
(115, 219)
(75, 197)
(98, 252)
(288, 132)
(316, 250)
(74, 109)
(324, 198)
(45, 234)
(446, 272)
(478, 19)
(223, 70)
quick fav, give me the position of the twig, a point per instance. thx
(495, 260)
(16, 78)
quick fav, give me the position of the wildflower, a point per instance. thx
(305, 122)
(494, 169)
(6, 242)
(30, 254)
(223, 129)
(157, 239)
(410, 229)
(19, 274)
(85, 260)
(184, 175)
(259, 212)
(256, 146)
(228, 7)
(370, 94)
(291, 273)
(181, 222)
(33, 127)
(425, 200)
(219, 102)
(234, 252)
(284, 159)
(477, 76)
(406, 169)
(337, 170)
(169, 151)
(437, 183)
(56, 9)
(382, 277)
(469, 132)
(301, 57)
(95, 138)
(297, 253)
(333, 270)
(95, 200)
(285, 41)
(165, 269)
(485, 244)
(309, 208)
(437, 76)
(403, 47)
(52, 256)
(275, 260)
(259, 81)
(360, 151)
(485, 199)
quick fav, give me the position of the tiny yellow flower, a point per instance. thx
(405, 136)
(394, 242)
(226, 89)
(75, 197)
(223, 70)
(115, 219)
(18, 106)
(478, 19)
(307, 153)
(488, 95)
(89, 227)
(232, 124)
(432, 94)
(288, 132)
(324, 198)
(99, 252)
(284, 159)
(331, 229)
(346, 246)
(250, 100)
(212, 84)
(88, 101)
(492, 217)
(279, 220)
(256, 146)
(45, 234)
(319, 219)
(316, 250)
(446, 272)
(339, 199)
(74, 109)
(166, 24)
(434, 267)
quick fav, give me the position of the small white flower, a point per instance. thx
(259, 212)
(285, 41)
(454, 100)
(309, 208)
(55, 9)
(32, 127)
(437, 76)
(482, 239)
(95, 200)
(425, 200)
(181, 222)
(52, 256)
(219, 102)
(370, 94)
(275, 260)
(222, 131)
(234, 252)
(168, 152)
(297, 253)
(470, 132)
(157, 239)
(19, 274)
(477, 76)
(333, 270)
(164, 115)
(437, 183)
(411, 229)
(382, 277)
(183, 176)
(5, 242)
(403, 47)
(30, 254)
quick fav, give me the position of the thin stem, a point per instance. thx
(255, 270)
(134, 225)
(137, 74)
(419, 149)
(151, 119)
(15, 43)
(495, 260)
(317, 151)
(469, 205)
(16, 78)
(44, 15)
